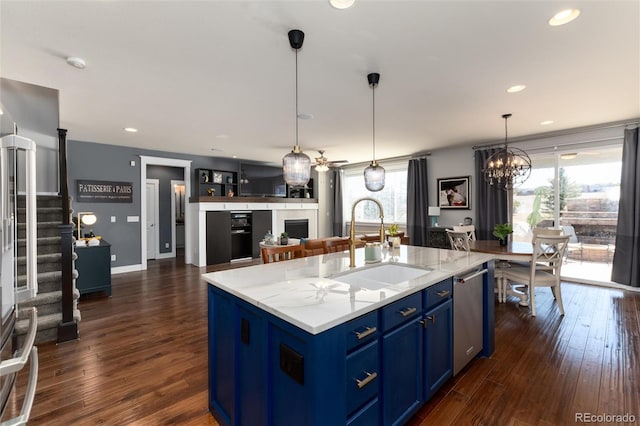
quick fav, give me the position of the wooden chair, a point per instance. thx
(544, 271)
(336, 245)
(469, 229)
(279, 253)
(313, 247)
(458, 240)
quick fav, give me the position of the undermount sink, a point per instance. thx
(380, 276)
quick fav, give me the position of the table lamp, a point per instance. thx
(87, 218)
(434, 212)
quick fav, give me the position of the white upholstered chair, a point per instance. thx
(469, 229)
(544, 271)
(458, 240)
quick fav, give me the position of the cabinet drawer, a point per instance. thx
(362, 330)
(367, 416)
(363, 376)
(438, 293)
(401, 311)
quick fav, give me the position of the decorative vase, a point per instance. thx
(503, 242)
(284, 241)
(395, 242)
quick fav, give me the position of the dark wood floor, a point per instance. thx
(142, 359)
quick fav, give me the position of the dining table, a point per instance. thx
(513, 251)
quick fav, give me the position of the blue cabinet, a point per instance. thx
(377, 369)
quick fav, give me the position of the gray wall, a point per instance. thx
(35, 110)
(111, 163)
(165, 175)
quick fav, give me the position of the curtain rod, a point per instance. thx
(578, 130)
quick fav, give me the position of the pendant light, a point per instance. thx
(374, 174)
(296, 165)
(507, 167)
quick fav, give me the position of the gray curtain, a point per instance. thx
(493, 202)
(338, 221)
(626, 259)
(417, 202)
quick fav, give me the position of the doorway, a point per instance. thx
(161, 161)
(178, 213)
(151, 219)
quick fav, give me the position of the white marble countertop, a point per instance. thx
(302, 292)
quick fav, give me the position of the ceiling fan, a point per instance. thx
(322, 163)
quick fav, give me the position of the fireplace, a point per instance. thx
(297, 228)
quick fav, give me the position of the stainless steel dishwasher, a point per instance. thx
(467, 317)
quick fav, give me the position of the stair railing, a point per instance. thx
(68, 328)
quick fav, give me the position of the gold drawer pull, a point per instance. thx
(407, 312)
(369, 331)
(364, 382)
(443, 293)
(432, 318)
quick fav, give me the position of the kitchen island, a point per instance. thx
(313, 342)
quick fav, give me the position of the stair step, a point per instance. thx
(45, 245)
(47, 327)
(47, 303)
(42, 201)
(43, 214)
(45, 229)
(47, 281)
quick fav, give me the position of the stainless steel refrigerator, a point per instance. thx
(18, 275)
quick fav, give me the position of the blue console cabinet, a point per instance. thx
(377, 369)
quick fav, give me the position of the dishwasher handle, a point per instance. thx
(474, 274)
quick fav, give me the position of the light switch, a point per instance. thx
(132, 163)
(133, 218)
(113, 257)
(113, 219)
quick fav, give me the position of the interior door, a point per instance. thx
(152, 218)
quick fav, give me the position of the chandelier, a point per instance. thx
(296, 165)
(508, 167)
(374, 173)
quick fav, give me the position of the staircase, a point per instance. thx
(49, 298)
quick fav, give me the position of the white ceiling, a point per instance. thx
(193, 76)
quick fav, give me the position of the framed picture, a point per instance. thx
(454, 193)
(217, 177)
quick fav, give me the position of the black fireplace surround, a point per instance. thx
(297, 228)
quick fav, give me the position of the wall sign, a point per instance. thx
(102, 191)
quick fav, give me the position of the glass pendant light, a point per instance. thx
(374, 173)
(296, 165)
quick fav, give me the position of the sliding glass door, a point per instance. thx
(579, 192)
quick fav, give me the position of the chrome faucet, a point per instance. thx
(352, 230)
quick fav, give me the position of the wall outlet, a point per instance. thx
(113, 257)
(166, 245)
(113, 219)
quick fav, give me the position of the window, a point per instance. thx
(393, 196)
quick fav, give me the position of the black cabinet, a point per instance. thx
(301, 192)
(94, 268)
(216, 183)
(261, 224)
(218, 237)
(235, 235)
(437, 238)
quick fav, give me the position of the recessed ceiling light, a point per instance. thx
(130, 129)
(569, 156)
(546, 122)
(564, 17)
(341, 4)
(517, 88)
(1, 112)
(76, 62)
(222, 136)
(234, 156)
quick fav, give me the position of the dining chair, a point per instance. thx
(458, 240)
(313, 247)
(544, 270)
(469, 229)
(279, 253)
(335, 245)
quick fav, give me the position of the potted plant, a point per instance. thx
(284, 239)
(501, 231)
(394, 239)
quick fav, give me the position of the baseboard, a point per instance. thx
(127, 268)
(608, 284)
(165, 255)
